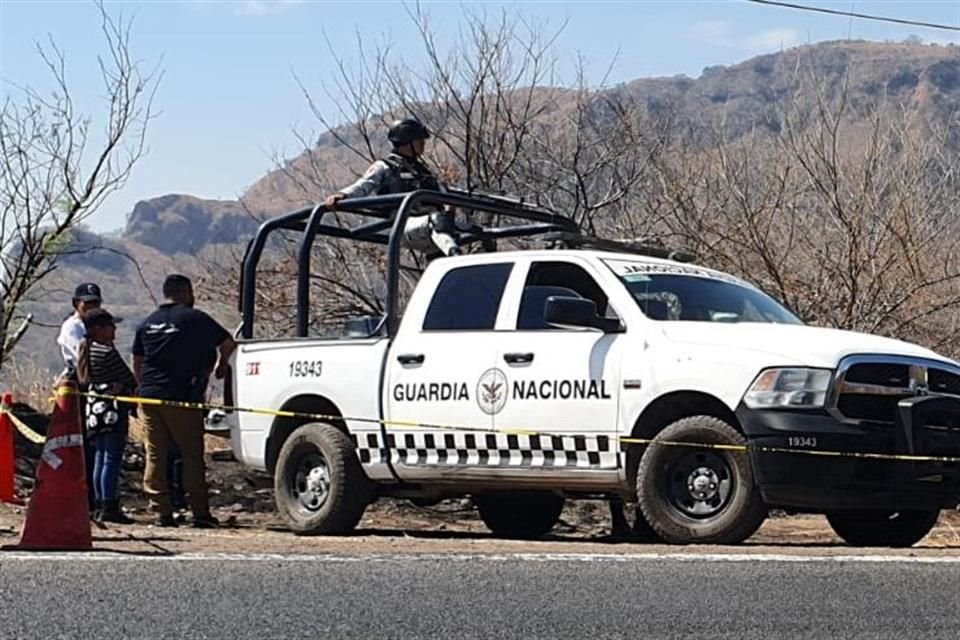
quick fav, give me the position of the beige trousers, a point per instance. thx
(163, 426)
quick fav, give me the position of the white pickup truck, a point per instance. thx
(521, 378)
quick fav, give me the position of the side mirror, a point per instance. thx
(577, 313)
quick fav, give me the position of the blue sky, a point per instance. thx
(228, 99)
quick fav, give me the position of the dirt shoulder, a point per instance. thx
(243, 500)
(396, 527)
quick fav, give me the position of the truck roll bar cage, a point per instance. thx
(391, 213)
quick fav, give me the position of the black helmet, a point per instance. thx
(406, 131)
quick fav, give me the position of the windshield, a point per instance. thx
(666, 292)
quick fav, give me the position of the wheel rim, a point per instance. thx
(310, 482)
(700, 484)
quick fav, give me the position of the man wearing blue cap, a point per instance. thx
(86, 297)
(72, 332)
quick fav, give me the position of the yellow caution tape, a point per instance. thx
(24, 430)
(281, 413)
(678, 443)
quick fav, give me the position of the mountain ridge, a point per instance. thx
(173, 232)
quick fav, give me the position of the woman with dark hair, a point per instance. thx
(102, 368)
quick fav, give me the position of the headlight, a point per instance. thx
(789, 389)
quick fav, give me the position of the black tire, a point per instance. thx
(319, 486)
(691, 494)
(882, 528)
(524, 515)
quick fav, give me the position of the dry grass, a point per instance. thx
(29, 382)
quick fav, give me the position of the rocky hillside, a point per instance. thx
(185, 224)
(745, 96)
(167, 233)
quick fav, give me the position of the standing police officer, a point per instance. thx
(404, 171)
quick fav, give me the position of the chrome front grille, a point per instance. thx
(867, 388)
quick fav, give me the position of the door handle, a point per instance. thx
(518, 358)
(410, 358)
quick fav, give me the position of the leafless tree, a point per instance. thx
(340, 291)
(842, 210)
(590, 154)
(56, 170)
(849, 220)
(500, 120)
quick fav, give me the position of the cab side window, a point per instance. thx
(546, 279)
(468, 298)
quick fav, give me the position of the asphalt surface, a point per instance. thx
(507, 596)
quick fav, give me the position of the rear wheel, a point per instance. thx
(319, 485)
(519, 514)
(882, 528)
(699, 494)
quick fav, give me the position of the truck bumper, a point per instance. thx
(811, 476)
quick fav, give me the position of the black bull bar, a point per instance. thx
(928, 425)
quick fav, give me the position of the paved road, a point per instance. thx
(508, 596)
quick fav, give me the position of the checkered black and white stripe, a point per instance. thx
(489, 449)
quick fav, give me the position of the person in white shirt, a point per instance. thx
(72, 332)
(87, 296)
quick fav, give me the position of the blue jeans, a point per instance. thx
(89, 457)
(108, 457)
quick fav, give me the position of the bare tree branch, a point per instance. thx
(47, 184)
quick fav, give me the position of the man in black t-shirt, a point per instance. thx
(170, 360)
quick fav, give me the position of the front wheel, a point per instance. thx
(319, 485)
(882, 528)
(695, 484)
(519, 514)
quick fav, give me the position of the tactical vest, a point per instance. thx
(407, 175)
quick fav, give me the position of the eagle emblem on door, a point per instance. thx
(492, 391)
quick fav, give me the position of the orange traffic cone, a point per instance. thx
(7, 490)
(58, 517)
